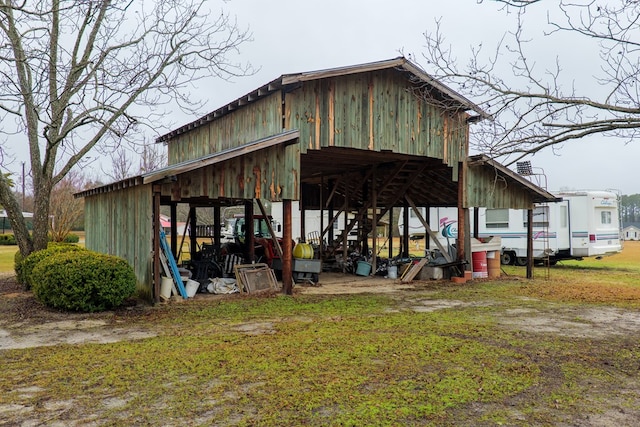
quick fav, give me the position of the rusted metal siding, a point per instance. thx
(374, 111)
(248, 123)
(259, 175)
(487, 188)
(120, 223)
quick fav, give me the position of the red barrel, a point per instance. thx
(479, 264)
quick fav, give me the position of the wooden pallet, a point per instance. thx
(411, 272)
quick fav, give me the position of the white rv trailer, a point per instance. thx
(312, 221)
(582, 224)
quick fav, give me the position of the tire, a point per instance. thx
(507, 258)
(520, 261)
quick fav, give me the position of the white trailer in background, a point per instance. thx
(311, 222)
(582, 224)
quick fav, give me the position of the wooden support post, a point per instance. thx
(321, 204)
(529, 243)
(193, 236)
(287, 250)
(476, 222)
(427, 218)
(303, 225)
(405, 231)
(174, 228)
(390, 233)
(249, 232)
(462, 214)
(156, 244)
(217, 225)
(374, 226)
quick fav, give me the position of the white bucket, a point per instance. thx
(191, 286)
(165, 287)
(392, 272)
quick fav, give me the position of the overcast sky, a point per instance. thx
(290, 36)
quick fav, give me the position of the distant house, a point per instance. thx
(631, 231)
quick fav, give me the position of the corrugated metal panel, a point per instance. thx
(120, 223)
(249, 123)
(377, 111)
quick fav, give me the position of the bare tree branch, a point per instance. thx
(533, 106)
(75, 74)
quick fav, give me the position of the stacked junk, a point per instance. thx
(216, 273)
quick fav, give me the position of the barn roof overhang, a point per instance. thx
(287, 138)
(168, 173)
(446, 96)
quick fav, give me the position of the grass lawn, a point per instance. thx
(490, 352)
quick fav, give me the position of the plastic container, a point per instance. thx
(392, 272)
(364, 268)
(303, 251)
(191, 286)
(166, 283)
(493, 264)
(479, 264)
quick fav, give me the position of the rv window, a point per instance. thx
(540, 216)
(605, 217)
(497, 218)
(564, 218)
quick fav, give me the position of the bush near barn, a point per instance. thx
(24, 266)
(84, 281)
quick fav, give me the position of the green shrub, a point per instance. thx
(24, 267)
(71, 238)
(83, 281)
(7, 240)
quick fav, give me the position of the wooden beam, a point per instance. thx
(156, 244)
(287, 257)
(433, 235)
(274, 239)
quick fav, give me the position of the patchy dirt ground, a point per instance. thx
(25, 323)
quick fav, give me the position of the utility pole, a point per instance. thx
(23, 186)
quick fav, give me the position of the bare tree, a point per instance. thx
(66, 210)
(151, 158)
(535, 106)
(78, 74)
(121, 163)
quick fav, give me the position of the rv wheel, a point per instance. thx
(521, 261)
(507, 258)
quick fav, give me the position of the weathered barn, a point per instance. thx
(360, 139)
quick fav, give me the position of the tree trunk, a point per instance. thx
(14, 213)
(42, 196)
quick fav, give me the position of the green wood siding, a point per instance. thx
(375, 111)
(120, 223)
(269, 174)
(249, 123)
(485, 188)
